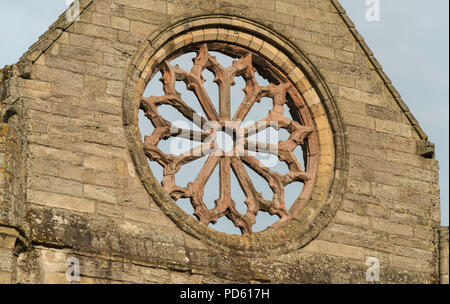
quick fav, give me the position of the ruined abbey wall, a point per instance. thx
(71, 187)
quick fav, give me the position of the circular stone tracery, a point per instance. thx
(280, 90)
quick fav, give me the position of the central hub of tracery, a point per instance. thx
(226, 139)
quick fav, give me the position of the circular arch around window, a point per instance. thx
(315, 126)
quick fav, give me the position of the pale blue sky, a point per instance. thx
(410, 41)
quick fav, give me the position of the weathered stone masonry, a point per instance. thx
(74, 182)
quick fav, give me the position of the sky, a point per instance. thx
(410, 40)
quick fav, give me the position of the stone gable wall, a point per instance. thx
(77, 192)
(443, 255)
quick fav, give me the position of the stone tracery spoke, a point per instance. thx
(254, 199)
(275, 181)
(195, 190)
(260, 147)
(150, 105)
(172, 164)
(224, 203)
(296, 172)
(257, 127)
(195, 84)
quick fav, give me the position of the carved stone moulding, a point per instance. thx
(314, 125)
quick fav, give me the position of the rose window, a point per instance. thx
(217, 130)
